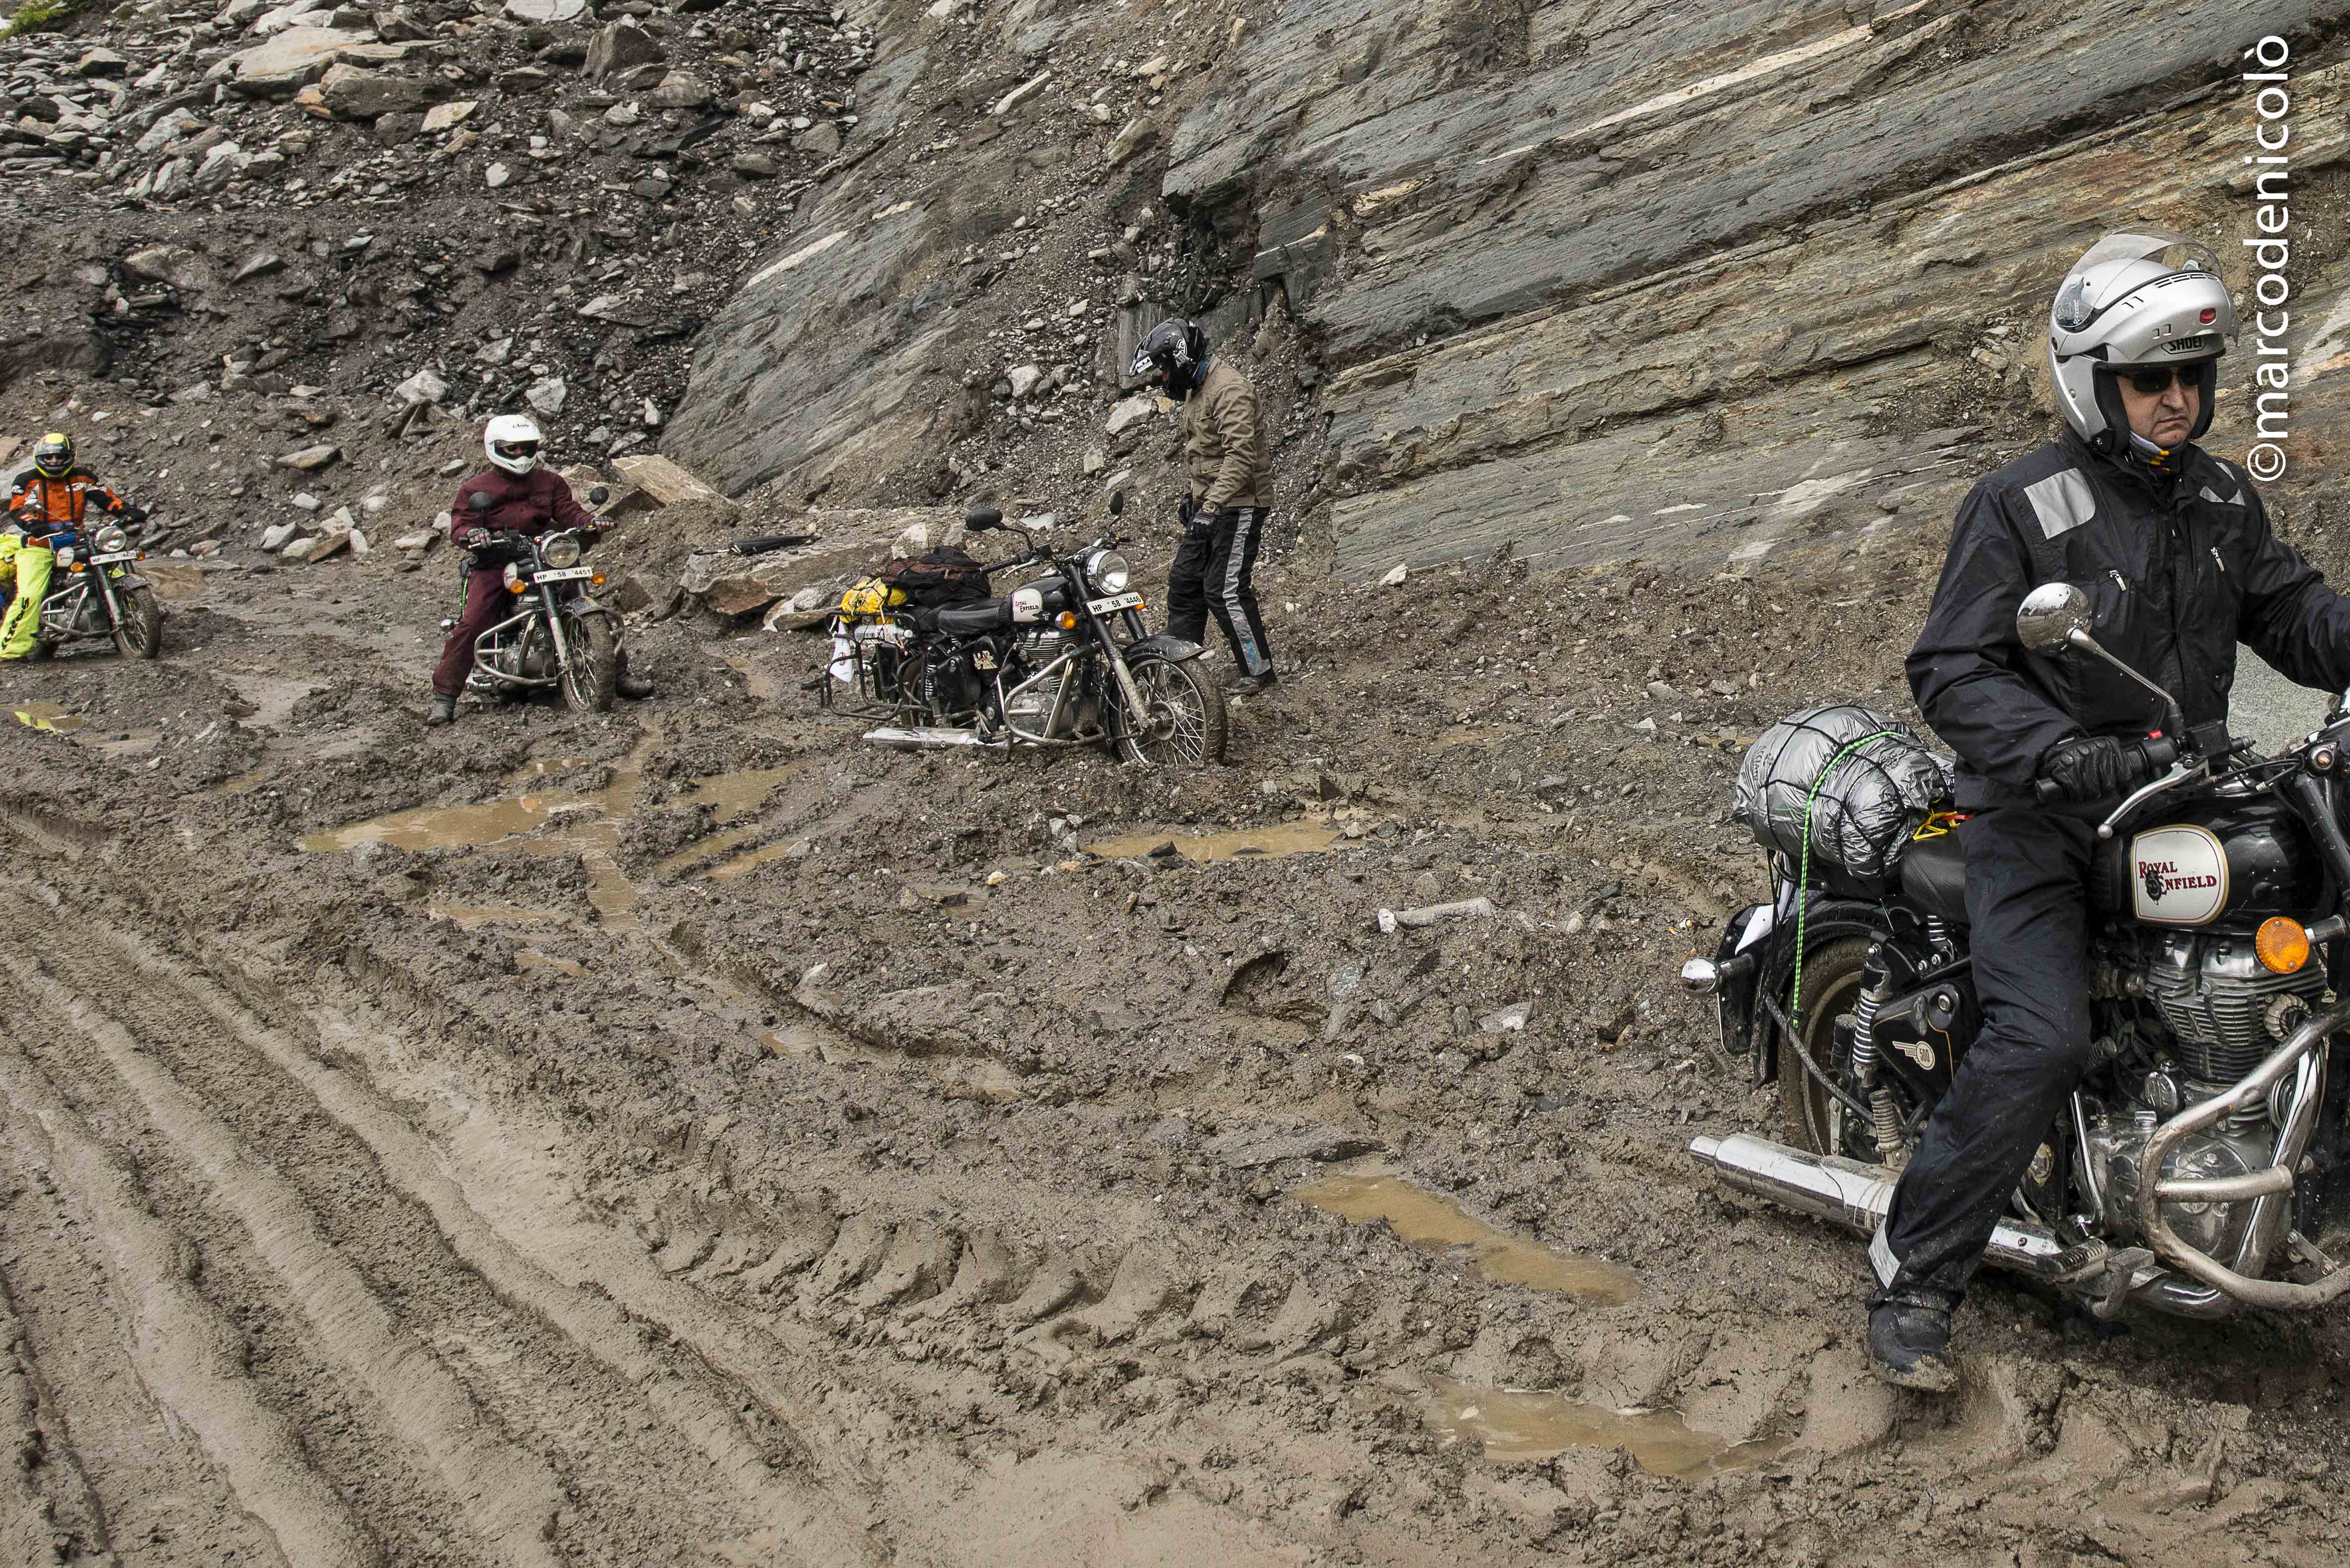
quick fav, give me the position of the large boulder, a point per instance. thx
(352, 92)
(806, 582)
(622, 46)
(300, 56)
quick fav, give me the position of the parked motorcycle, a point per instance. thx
(2204, 1164)
(559, 635)
(1065, 660)
(92, 591)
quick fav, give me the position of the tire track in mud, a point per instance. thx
(188, 1358)
(508, 1497)
(692, 1400)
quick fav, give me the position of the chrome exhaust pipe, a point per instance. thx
(1856, 1196)
(918, 740)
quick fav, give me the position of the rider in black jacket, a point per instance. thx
(2173, 549)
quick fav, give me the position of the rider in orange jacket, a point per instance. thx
(54, 497)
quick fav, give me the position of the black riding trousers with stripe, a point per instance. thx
(1210, 576)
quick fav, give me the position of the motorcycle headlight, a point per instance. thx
(561, 550)
(1109, 571)
(111, 539)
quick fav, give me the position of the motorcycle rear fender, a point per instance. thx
(1171, 648)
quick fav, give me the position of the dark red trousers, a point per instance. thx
(486, 603)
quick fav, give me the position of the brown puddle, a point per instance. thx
(1308, 837)
(555, 822)
(1437, 1224)
(1519, 1424)
(751, 862)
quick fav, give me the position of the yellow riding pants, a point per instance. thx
(29, 566)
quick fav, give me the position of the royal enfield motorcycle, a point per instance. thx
(93, 591)
(1065, 660)
(559, 635)
(2204, 1164)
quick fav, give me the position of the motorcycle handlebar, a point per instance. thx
(2158, 752)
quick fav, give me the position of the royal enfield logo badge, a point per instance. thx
(2180, 875)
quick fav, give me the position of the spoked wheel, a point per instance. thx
(1817, 1121)
(1182, 724)
(139, 632)
(592, 675)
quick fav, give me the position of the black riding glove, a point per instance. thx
(2088, 768)
(1185, 507)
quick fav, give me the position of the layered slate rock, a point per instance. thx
(1635, 289)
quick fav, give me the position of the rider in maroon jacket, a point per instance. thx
(526, 498)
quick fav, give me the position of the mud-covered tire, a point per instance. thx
(1186, 726)
(139, 634)
(1814, 1119)
(592, 676)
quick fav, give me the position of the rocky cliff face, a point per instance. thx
(1586, 281)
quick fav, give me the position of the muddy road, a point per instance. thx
(688, 1136)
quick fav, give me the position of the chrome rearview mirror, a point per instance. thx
(2049, 617)
(2054, 616)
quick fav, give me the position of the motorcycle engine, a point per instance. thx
(1038, 647)
(952, 686)
(2221, 1013)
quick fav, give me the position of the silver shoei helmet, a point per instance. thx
(2139, 298)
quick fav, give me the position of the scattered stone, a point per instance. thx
(351, 93)
(821, 139)
(276, 538)
(442, 116)
(1021, 94)
(1131, 412)
(1396, 576)
(680, 89)
(1024, 379)
(546, 10)
(1390, 920)
(101, 62)
(175, 265)
(756, 166)
(496, 175)
(1509, 1020)
(310, 459)
(1138, 136)
(546, 396)
(621, 46)
(426, 387)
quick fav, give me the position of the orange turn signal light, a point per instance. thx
(2282, 944)
(1069, 620)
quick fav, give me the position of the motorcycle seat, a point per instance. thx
(971, 619)
(1934, 877)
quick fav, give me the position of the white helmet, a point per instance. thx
(2140, 298)
(512, 442)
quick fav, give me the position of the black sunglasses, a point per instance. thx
(2147, 383)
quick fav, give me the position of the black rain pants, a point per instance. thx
(2027, 908)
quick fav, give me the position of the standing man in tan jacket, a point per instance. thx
(1223, 511)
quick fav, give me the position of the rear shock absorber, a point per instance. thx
(1885, 1120)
